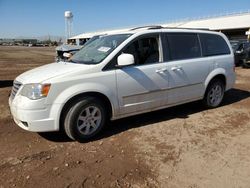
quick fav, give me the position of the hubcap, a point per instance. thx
(89, 120)
(215, 95)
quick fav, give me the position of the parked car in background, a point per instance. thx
(123, 74)
(66, 48)
(244, 54)
(66, 51)
(235, 44)
(246, 61)
(241, 52)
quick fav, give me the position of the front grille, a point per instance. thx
(15, 88)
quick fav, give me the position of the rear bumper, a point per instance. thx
(230, 81)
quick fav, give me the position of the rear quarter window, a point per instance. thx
(213, 45)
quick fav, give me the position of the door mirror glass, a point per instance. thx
(125, 60)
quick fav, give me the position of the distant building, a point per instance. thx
(233, 25)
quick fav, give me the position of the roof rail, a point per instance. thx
(205, 29)
(161, 27)
(148, 27)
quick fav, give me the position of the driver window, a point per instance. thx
(145, 50)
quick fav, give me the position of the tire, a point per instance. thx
(214, 94)
(84, 119)
(245, 65)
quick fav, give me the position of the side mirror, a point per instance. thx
(125, 60)
(67, 55)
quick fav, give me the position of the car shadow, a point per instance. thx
(235, 95)
(6, 83)
(181, 111)
(55, 136)
(146, 119)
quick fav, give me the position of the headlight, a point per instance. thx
(35, 91)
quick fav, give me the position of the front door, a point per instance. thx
(143, 86)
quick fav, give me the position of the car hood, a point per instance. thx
(43, 73)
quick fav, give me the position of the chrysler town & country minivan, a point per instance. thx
(123, 74)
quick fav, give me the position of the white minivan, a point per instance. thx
(123, 74)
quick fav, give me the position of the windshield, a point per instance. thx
(234, 44)
(98, 49)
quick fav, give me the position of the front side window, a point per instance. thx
(96, 50)
(144, 50)
(213, 45)
(183, 45)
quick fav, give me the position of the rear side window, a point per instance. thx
(183, 46)
(213, 45)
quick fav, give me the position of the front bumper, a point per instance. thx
(34, 115)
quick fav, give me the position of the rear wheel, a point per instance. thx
(245, 64)
(85, 118)
(214, 94)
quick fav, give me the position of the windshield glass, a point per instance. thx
(98, 49)
(235, 44)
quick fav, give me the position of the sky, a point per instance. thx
(34, 18)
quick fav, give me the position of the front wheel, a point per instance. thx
(85, 118)
(214, 94)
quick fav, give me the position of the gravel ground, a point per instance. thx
(185, 146)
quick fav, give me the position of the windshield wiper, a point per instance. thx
(91, 62)
(72, 61)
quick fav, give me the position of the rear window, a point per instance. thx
(183, 46)
(213, 45)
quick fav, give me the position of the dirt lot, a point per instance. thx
(185, 146)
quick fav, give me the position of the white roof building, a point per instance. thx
(227, 22)
(233, 25)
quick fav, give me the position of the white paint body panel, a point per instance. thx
(186, 78)
(130, 90)
(141, 88)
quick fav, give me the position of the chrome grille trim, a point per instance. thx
(15, 88)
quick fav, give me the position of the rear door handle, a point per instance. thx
(176, 68)
(161, 70)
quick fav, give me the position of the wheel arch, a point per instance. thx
(77, 97)
(221, 77)
(216, 74)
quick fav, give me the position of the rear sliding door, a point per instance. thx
(187, 70)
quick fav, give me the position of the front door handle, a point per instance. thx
(161, 70)
(176, 68)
